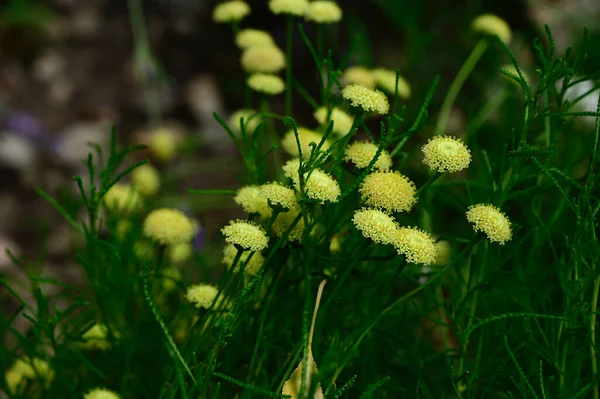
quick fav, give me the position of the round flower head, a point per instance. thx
(101, 393)
(231, 11)
(25, 369)
(490, 24)
(181, 252)
(361, 153)
(290, 169)
(416, 245)
(279, 195)
(252, 266)
(202, 295)
(342, 122)
(251, 200)
(123, 198)
(248, 116)
(391, 191)
(245, 235)
(146, 180)
(266, 83)
(321, 187)
(305, 136)
(96, 338)
(284, 220)
(386, 79)
(168, 226)
(253, 37)
(263, 59)
(368, 100)
(323, 12)
(292, 7)
(376, 225)
(163, 144)
(446, 154)
(491, 221)
(358, 75)
(444, 252)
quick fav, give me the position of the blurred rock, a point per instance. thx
(72, 146)
(50, 65)
(17, 151)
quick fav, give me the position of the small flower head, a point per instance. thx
(490, 24)
(284, 220)
(321, 186)
(163, 143)
(253, 37)
(368, 100)
(290, 169)
(123, 198)
(446, 154)
(358, 75)
(491, 221)
(101, 393)
(251, 200)
(27, 369)
(169, 278)
(202, 295)
(375, 225)
(266, 83)
(245, 235)
(305, 136)
(292, 7)
(323, 12)
(444, 252)
(342, 122)
(263, 59)
(146, 180)
(249, 117)
(168, 226)
(416, 245)
(181, 252)
(391, 191)
(386, 79)
(96, 338)
(335, 245)
(231, 11)
(279, 195)
(251, 267)
(361, 153)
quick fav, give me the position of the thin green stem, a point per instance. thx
(288, 67)
(272, 134)
(594, 362)
(429, 182)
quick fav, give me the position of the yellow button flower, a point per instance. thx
(490, 24)
(358, 75)
(101, 393)
(376, 225)
(416, 245)
(386, 79)
(491, 221)
(231, 11)
(248, 116)
(342, 122)
(123, 198)
(168, 226)
(96, 338)
(266, 83)
(245, 235)
(146, 180)
(321, 186)
(366, 99)
(292, 7)
(163, 143)
(284, 220)
(251, 200)
(391, 191)
(446, 154)
(361, 153)
(263, 59)
(202, 295)
(323, 12)
(252, 266)
(279, 195)
(305, 136)
(253, 37)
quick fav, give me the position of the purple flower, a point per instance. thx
(27, 125)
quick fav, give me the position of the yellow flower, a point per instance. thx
(24, 369)
(263, 59)
(253, 37)
(250, 118)
(169, 277)
(358, 75)
(266, 83)
(491, 221)
(246, 235)
(252, 266)
(367, 99)
(292, 7)
(181, 252)
(163, 144)
(202, 295)
(375, 225)
(490, 24)
(96, 338)
(231, 11)
(342, 122)
(168, 226)
(123, 198)
(305, 136)
(323, 12)
(279, 195)
(386, 79)
(284, 220)
(444, 252)
(252, 201)
(146, 180)
(321, 186)
(290, 169)
(391, 191)
(335, 245)
(416, 245)
(101, 393)
(446, 154)
(361, 153)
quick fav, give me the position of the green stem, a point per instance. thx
(272, 134)
(429, 182)
(594, 362)
(457, 84)
(488, 109)
(288, 66)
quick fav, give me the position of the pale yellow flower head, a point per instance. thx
(146, 180)
(253, 37)
(335, 245)
(490, 24)
(323, 12)
(101, 393)
(251, 200)
(251, 120)
(123, 198)
(163, 143)
(386, 79)
(96, 338)
(168, 226)
(290, 169)
(391, 191)
(279, 195)
(201, 295)
(266, 83)
(368, 100)
(444, 252)
(27, 369)
(181, 252)
(375, 225)
(416, 245)
(446, 154)
(292, 7)
(245, 235)
(361, 153)
(231, 11)
(321, 186)
(252, 266)
(305, 136)
(284, 220)
(491, 221)
(358, 75)
(342, 122)
(263, 59)
(169, 277)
